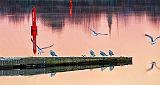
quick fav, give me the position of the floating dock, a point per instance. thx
(43, 65)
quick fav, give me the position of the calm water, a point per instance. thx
(71, 36)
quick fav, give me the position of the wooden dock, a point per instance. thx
(44, 65)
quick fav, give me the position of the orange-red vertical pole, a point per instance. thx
(34, 29)
(70, 7)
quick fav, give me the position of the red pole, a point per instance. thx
(34, 29)
(70, 7)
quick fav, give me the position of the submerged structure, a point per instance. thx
(44, 65)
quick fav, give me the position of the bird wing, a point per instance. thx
(102, 34)
(48, 46)
(36, 44)
(157, 38)
(93, 31)
(150, 67)
(150, 37)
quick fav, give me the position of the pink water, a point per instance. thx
(75, 39)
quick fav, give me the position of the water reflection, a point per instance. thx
(53, 15)
(109, 23)
(70, 8)
(55, 69)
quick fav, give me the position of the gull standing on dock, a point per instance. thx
(53, 53)
(40, 50)
(110, 52)
(96, 33)
(152, 41)
(152, 66)
(103, 53)
(92, 53)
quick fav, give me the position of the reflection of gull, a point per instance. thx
(91, 69)
(96, 33)
(53, 74)
(40, 50)
(103, 53)
(53, 53)
(92, 53)
(111, 67)
(152, 41)
(111, 53)
(103, 68)
(84, 60)
(109, 23)
(152, 66)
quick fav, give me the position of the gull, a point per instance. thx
(111, 53)
(40, 50)
(53, 53)
(103, 53)
(92, 53)
(152, 41)
(152, 66)
(96, 33)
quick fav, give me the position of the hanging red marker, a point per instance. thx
(34, 29)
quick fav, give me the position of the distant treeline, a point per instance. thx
(81, 2)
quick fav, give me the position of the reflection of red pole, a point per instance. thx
(70, 7)
(34, 29)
